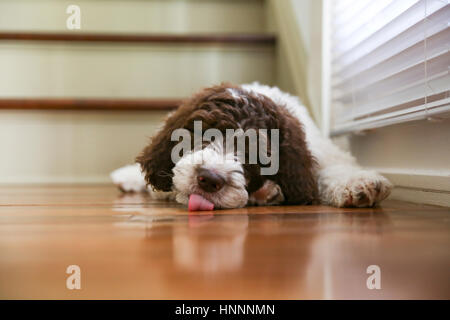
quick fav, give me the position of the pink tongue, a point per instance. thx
(198, 203)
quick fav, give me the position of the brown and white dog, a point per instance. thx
(311, 168)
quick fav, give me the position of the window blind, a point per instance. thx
(389, 62)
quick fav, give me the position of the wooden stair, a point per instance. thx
(87, 104)
(238, 38)
(75, 105)
(80, 102)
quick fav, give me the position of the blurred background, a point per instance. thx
(77, 103)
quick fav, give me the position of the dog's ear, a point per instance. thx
(156, 159)
(156, 162)
(296, 175)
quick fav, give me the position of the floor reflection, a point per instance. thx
(238, 254)
(302, 256)
(210, 245)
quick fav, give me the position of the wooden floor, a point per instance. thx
(131, 247)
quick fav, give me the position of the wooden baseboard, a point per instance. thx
(421, 196)
(420, 188)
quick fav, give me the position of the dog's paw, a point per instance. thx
(129, 178)
(268, 195)
(161, 195)
(360, 189)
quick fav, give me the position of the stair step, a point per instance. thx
(250, 39)
(130, 70)
(50, 146)
(180, 16)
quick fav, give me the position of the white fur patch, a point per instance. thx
(233, 93)
(129, 178)
(232, 195)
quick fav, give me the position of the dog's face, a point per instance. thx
(227, 178)
(218, 177)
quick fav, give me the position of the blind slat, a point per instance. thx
(414, 15)
(369, 11)
(440, 108)
(372, 20)
(403, 96)
(347, 9)
(391, 64)
(400, 79)
(437, 37)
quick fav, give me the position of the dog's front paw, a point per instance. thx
(269, 194)
(129, 178)
(360, 189)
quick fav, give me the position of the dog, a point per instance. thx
(311, 168)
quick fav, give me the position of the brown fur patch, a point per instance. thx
(218, 108)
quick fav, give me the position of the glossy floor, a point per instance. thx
(132, 247)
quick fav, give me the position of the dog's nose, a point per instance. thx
(209, 181)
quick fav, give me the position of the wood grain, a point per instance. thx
(129, 246)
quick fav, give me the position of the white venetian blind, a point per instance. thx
(389, 61)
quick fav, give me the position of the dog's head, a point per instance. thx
(224, 175)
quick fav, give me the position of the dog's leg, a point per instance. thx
(269, 194)
(131, 179)
(342, 182)
(351, 186)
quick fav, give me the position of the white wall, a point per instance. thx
(298, 24)
(70, 146)
(415, 156)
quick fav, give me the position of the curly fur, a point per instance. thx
(312, 169)
(221, 108)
